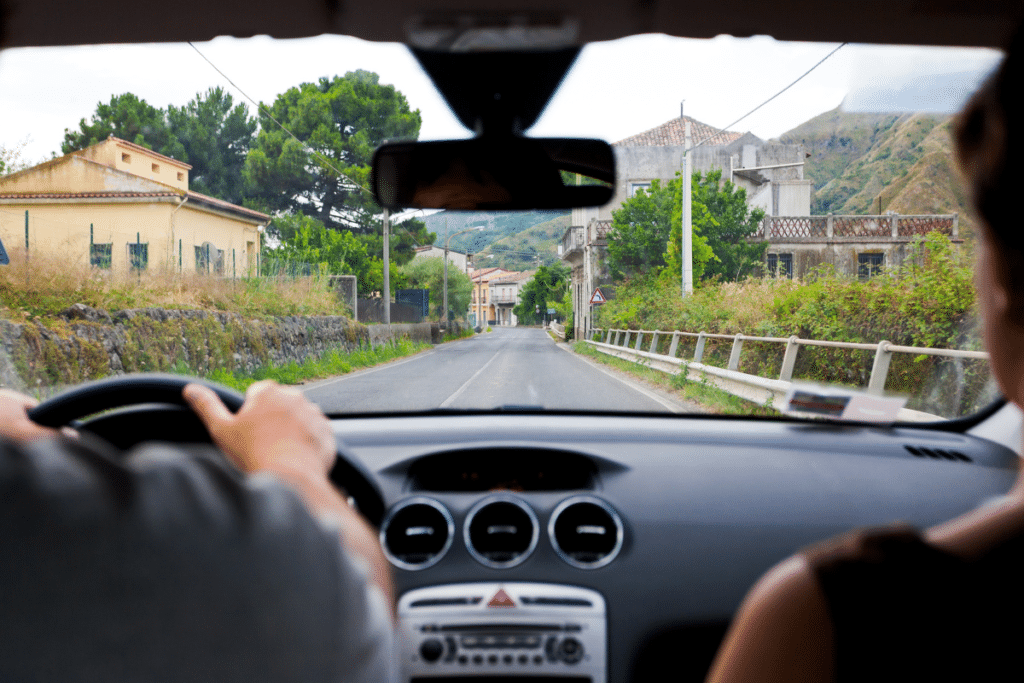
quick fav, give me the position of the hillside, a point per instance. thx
(516, 238)
(873, 163)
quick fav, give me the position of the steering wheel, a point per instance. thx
(156, 411)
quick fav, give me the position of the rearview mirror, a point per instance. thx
(488, 173)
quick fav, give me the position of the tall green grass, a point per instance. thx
(332, 363)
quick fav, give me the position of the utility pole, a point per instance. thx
(444, 311)
(686, 254)
(387, 273)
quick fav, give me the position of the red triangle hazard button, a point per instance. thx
(501, 599)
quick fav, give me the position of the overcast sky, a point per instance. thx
(615, 90)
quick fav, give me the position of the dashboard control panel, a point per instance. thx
(495, 629)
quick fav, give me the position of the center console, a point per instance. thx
(483, 631)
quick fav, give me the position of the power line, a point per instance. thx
(800, 78)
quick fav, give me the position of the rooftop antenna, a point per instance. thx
(682, 104)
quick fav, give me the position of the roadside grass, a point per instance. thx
(48, 284)
(702, 393)
(333, 362)
(461, 334)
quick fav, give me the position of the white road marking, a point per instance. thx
(451, 399)
(646, 392)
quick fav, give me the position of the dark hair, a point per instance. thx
(990, 148)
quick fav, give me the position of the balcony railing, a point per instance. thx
(572, 241)
(887, 228)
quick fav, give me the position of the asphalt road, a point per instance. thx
(513, 367)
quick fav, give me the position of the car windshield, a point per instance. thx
(788, 233)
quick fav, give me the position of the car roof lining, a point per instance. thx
(910, 22)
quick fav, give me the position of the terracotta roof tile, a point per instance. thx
(193, 196)
(673, 134)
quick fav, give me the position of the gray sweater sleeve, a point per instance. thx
(161, 565)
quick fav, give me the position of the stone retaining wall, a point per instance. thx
(85, 343)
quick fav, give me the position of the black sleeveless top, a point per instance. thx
(903, 610)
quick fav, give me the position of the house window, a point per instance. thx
(780, 265)
(99, 255)
(126, 158)
(201, 265)
(869, 265)
(138, 255)
(156, 168)
(633, 187)
(181, 176)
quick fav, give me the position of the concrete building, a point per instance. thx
(771, 173)
(856, 246)
(504, 293)
(482, 311)
(117, 205)
(455, 258)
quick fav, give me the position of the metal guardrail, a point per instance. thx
(557, 329)
(879, 369)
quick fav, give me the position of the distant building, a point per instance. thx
(770, 172)
(482, 311)
(856, 246)
(456, 258)
(118, 205)
(505, 296)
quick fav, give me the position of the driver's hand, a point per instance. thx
(14, 422)
(276, 430)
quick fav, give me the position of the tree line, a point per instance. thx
(304, 159)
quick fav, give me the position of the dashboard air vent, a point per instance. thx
(937, 453)
(501, 531)
(586, 532)
(417, 533)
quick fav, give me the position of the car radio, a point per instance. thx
(548, 632)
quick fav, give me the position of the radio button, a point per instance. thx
(572, 651)
(431, 649)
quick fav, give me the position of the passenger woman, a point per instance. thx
(897, 603)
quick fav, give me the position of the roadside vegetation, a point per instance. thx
(330, 364)
(927, 302)
(703, 393)
(47, 285)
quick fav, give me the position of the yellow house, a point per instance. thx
(118, 205)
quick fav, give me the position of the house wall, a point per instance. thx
(454, 257)
(235, 237)
(841, 256)
(62, 229)
(139, 161)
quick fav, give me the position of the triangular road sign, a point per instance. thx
(597, 297)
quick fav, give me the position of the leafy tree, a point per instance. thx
(310, 248)
(545, 289)
(343, 119)
(405, 237)
(127, 117)
(428, 273)
(213, 136)
(733, 222)
(646, 232)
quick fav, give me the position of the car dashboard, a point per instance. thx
(606, 548)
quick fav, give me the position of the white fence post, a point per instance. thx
(625, 342)
(675, 345)
(737, 347)
(639, 337)
(880, 368)
(698, 353)
(789, 360)
(608, 337)
(654, 342)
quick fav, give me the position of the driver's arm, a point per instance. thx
(280, 432)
